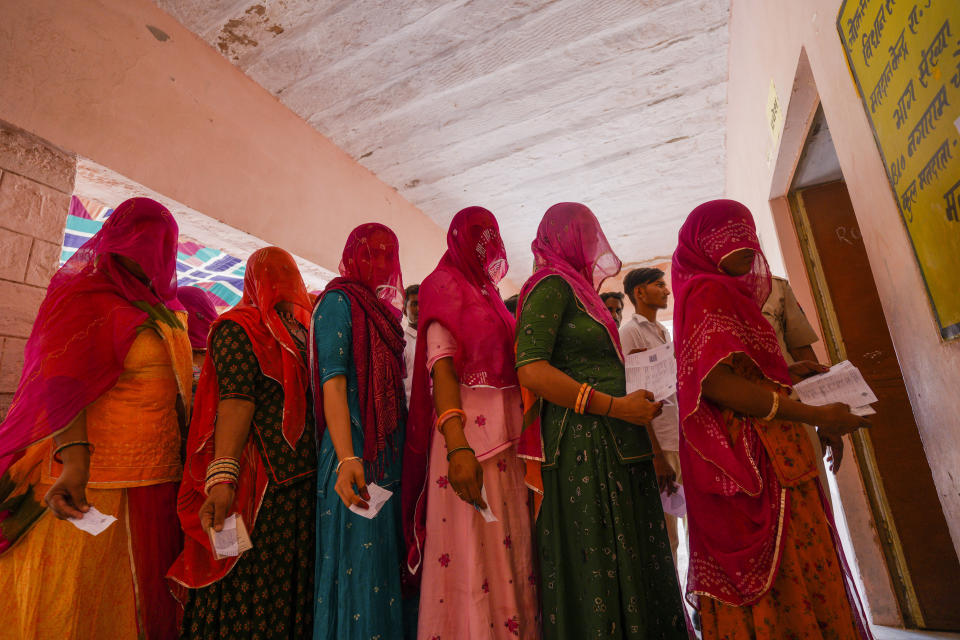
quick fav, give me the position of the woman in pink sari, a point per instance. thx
(94, 423)
(764, 556)
(478, 576)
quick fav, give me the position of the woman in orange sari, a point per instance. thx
(765, 561)
(94, 423)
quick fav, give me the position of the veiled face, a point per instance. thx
(474, 237)
(371, 256)
(739, 262)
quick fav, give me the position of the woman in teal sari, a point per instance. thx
(357, 378)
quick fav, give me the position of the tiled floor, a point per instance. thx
(886, 633)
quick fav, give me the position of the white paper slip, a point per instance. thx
(232, 540)
(486, 513)
(378, 497)
(676, 503)
(842, 383)
(654, 370)
(865, 410)
(93, 522)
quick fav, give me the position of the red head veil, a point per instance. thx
(201, 313)
(271, 277)
(736, 504)
(370, 278)
(371, 257)
(462, 295)
(703, 336)
(89, 319)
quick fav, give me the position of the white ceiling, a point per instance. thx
(512, 105)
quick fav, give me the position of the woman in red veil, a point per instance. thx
(357, 379)
(251, 453)
(757, 521)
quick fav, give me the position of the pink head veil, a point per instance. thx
(89, 318)
(461, 294)
(201, 313)
(571, 244)
(371, 257)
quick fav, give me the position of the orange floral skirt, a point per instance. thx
(808, 599)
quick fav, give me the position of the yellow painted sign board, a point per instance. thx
(905, 60)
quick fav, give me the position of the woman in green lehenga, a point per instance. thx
(605, 561)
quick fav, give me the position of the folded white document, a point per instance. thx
(654, 370)
(486, 513)
(232, 540)
(378, 497)
(842, 383)
(93, 522)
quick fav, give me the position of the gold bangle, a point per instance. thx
(222, 465)
(576, 405)
(773, 408)
(223, 478)
(588, 398)
(347, 459)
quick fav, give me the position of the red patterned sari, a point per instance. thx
(765, 560)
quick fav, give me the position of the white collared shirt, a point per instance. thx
(409, 355)
(640, 333)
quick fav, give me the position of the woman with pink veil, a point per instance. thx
(94, 424)
(460, 459)
(605, 564)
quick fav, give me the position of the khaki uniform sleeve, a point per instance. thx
(798, 331)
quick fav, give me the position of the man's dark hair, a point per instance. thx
(511, 303)
(612, 294)
(637, 277)
(409, 291)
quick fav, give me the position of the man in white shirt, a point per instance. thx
(648, 292)
(411, 309)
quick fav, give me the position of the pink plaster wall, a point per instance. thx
(766, 40)
(178, 118)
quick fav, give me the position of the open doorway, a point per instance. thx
(914, 536)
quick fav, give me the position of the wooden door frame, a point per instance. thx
(793, 234)
(890, 541)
